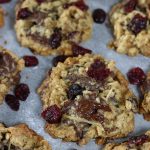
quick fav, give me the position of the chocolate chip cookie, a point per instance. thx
(130, 20)
(87, 97)
(20, 137)
(141, 142)
(10, 68)
(49, 27)
(145, 105)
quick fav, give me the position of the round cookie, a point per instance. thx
(145, 105)
(130, 20)
(141, 142)
(20, 137)
(87, 97)
(50, 27)
(10, 68)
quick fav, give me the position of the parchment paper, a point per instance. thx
(30, 110)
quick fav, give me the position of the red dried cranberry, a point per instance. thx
(139, 140)
(136, 76)
(137, 24)
(55, 39)
(99, 16)
(52, 114)
(80, 4)
(74, 90)
(57, 59)
(22, 91)
(4, 1)
(12, 102)
(98, 71)
(78, 50)
(24, 13)
(130, 6)
(40, 1)
(30, 61)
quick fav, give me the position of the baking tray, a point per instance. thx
(30, 110)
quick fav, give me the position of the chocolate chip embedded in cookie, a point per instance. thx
(86, 97)
(145, 104)
(20, 137)
(141, 142)
(50, 27)
(130, 20)
(10, 68)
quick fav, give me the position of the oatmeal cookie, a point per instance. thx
(130, 20)
(87, 97)
(49, 27)
(141, 142)
(10, 68)
(145, 105)
(20, 137)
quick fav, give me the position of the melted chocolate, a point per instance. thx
(90, 110)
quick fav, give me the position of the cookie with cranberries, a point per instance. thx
(21, 137)
(10, 68)
(141, 142)
(87, 97)
(145, 104)
(130, 21)
(49, 27)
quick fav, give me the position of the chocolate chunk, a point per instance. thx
(7, 64)
(90, 110)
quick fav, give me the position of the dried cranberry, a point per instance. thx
(57, 59)
(136, 76)
(137, 24)
(22, 91)
(130, 6)
(78, 50)
(98, 70)
(56, 38)
(24, 13)
(4, 1)
(80, 4)
(99, 16)
(139, 140)
(74, 90)
(12, 102)
(52, 114)
(40, 1)
(30, 61)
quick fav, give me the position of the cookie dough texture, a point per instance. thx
(37, 31)
(145, 104)
(20, 137)
(10, 68)
(125, 41)
(115, 119)
(132, 144)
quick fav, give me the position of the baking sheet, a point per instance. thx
(29, 112)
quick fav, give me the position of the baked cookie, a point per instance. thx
(130, 20)
(87, 97)
(49, 27)
(20, 137)
(10, 68)
(1, 17)
(145, 105)
(141, 142)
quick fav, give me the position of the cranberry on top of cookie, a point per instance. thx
(86, 97)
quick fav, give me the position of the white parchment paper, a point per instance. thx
(30, 110)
